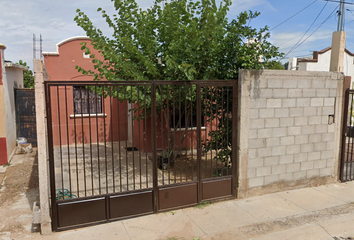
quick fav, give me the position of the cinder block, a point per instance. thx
(252, 154)
(278, 169)
(258, 103)
(282, 112)
(306, 165)
(315, 120)
(332, 92)
(266, 93)
(319, 111)
(331, 128)
(319, 146)
(278, 151)
(294, 131)
(280, 93)
(314, 156)
(320, 163)
(310, 111)
(309, 93)
(303, 102)
(265, 133)
(325, 120)
(255, 182)
(286, 176)
(299, 175)
(304, 83)
(327, 110)
(273, 103)
(317, 102)
(301, 157)
(296, 112)
(322, 92)
(295, 93)
(263, 171)
(329, 102)
(293, 149)
(271, 179)
(255, 163)
(251, 172)
(254, 113)
(272, 122)
(318, 84)
(266, 113)
(256, 143)
(279, 132)
(325, 172)
(321, 128)
(330, 146)
(293, 167)
(264, 152)
(330, 162)
(301, 121)
(315, 138)
(306, 148)
(253, 133)
(290, 140)
(289, 103)
(301, 139)
(331, 83)
(307, 130)
(286, 122)
(271, 161)
(275, 83)
(313, 173)
(271, 142)
(257, 123)
(289, 83)
(285, 159)
(328, 137)
(327, 154)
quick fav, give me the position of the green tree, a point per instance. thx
(28, 78)
(275, 65)
(174, 40)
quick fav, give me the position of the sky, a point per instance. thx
(297, 27)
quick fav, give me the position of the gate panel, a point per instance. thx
(347, 158)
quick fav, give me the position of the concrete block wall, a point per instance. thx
(289, 129)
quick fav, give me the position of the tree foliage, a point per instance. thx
(28, 78)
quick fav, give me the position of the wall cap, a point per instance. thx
(63, 42)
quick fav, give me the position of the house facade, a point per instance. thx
(11, 77)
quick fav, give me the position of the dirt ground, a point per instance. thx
(18, 192)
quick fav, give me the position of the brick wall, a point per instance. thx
(287, 135)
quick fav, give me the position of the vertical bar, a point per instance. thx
(67, 139)
(82, 133)
(139, 132)
(51, 157)
(126, 136)
(111, 113)
(199, 145)
(119, 146)
(206, 88)
(91, 161)
(180, 126)
(217, 129)
(192, 132)
(223, 161)
(162, 134)
(61, 151)
(104, 136)
(186, 128)
(175, 130)
(145, 131)
(132, 120)
(168, 114)
(349, 160)
(344, 135)
(153, 141)
(77, 165)
(98, 146)
(227, 129)
(211, 131)
(234, 139)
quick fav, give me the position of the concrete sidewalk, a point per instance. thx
(324, 212)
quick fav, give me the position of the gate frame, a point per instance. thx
(156, 188)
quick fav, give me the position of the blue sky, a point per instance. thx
(19, 19)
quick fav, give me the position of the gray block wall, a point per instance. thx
(289, 126)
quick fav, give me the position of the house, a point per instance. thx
(11, 77)
(320, 61)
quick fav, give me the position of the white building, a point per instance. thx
(320, 61)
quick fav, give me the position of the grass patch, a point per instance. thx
(203, 204)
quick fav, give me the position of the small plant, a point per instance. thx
(203, 204)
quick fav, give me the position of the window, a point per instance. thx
(182, 124)
(86, 101)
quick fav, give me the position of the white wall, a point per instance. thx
(14, 79)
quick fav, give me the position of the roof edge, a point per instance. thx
(63, 42)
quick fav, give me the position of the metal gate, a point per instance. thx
(26, 115)
(347, 158)
(179, 151)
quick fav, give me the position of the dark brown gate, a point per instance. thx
(347, 158)
(123, 149)
(26, 115)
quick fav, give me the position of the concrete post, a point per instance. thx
(337, 53)
(41, 75)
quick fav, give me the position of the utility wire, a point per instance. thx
(312, 32)
(293, 15)
(318, 15)
(351, 3)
